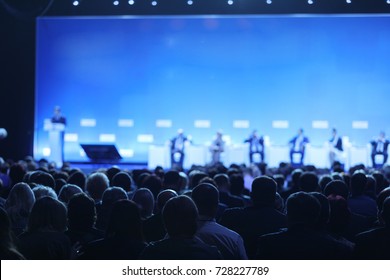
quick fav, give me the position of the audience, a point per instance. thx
(218, 217)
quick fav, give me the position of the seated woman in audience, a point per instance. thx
(18, 206)
(45, 238)
(123, 239)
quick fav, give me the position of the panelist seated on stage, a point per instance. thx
(217, 147)
(335, 148)
(177, 144)
(298, 145)
(379, 147)
(256, 145)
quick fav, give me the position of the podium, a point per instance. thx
(56, 141)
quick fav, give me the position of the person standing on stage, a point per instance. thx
(58, 118)
(217, 148)
(256, 145)
(177, 149)
(298, 145)
(336, 147)
(379, 147)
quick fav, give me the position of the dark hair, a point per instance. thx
(180, 216)
(125, 220)
(206, 198)
(123, 180)
(81, 212)
(47, 214)
(308, 182)
(263, 191)
(336, 187)
(164, 196)
(358, 183)
(385, 213)
(340, 214)
(77, 178)
(303, 209)
(325, 208)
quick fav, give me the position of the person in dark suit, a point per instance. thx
(180, 216)
(302, 240)
(261, 218)
(177, 149)
(256, 145)
(298, 145)
(379, 147)
(375, 244)
(336, 147)
(58, 117)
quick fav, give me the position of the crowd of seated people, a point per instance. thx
(207, 212)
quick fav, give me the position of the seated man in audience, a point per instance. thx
(180, 217)
(229, 243)
(303, 239)
(261, 218)
(379, 147)
(375, 244)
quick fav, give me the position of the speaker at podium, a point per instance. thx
(101, 153)
(56, 141)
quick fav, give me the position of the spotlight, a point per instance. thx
(154, 3)
(190, 2)
(269, 2)
(348, 1)
(388, 2)
(230, 2)
(310, 2)
(115, 3)
(76, 3)
(131, 2)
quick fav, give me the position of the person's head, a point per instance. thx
(237, 184)
(263, 191)
(96, 184)
(153, 183)
(300, 131)
(358, 183)
(123, 180)
(279, 203)
(172, 180)
(125, 221)
(340, 214)
(370, 189)
(77, 178)
(144, 198)
(295, 175)
(334, 131)
(111, 195)
(81, 212)
(163, 197)
(19, 203)
(382, 135)
(324, 180)
(47, 214)
(325, 209)
(67, 191)
(206, 198)
(308, 182)
(195, 177)
(180, 132)
(57, 110)
(223, 182)
(381, 198)
(336, 187)
(43, 178)
(180, 216)
(42, 191)
(303, 209)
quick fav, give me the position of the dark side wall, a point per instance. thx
(17, 62)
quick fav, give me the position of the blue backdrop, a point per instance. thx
(180, 69)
